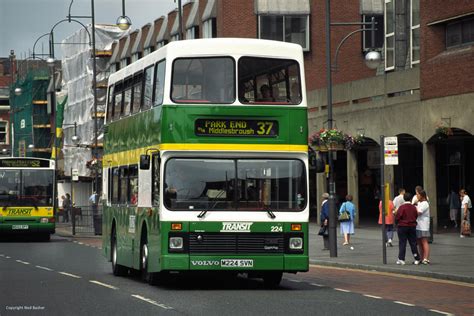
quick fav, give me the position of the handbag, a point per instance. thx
(465, 228)
(323, 231)
(345, 216)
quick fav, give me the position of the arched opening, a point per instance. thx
(368, 167)
(409, 171)
(454, 170)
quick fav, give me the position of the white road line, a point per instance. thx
(152, 301)
(292, 280)
(316, 284)
(20, 261)
(372, 296)
(70, 275)
(2, 255)
(44, 268)
(342, 290)
(8, 257)
(403, 303)
(80, 243)
(440, 312)
(103, 284)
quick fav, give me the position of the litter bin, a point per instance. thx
(430, 239)
(97, 224)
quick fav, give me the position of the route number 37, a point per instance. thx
(276, 229)
(264, 128)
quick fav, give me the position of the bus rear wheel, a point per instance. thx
(117, 269)
(272, 279)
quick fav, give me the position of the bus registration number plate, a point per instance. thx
(19, 227)
(241, 263)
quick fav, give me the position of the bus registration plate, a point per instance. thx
(18, 227)
(241, 263)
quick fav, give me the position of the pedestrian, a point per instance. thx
(399, 199)
(454, 203)
(414, 201)
(389, 221)
(347, 228)
(466, 206)
(423, 226)
(325, 220)
(406, 217)
(66, 207)
(93, 200)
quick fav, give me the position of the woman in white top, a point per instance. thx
(423, 226)
(466, 206)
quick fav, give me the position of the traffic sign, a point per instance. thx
(75, 174)
(391, 150)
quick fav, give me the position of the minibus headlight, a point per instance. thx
(296, 243)
(176, 243)
(44, 220)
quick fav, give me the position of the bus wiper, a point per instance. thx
(204, 212)
(272, 216)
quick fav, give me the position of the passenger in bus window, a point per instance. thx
(266, 93)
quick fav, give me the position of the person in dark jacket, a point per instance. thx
(406, 219)
(325, 219)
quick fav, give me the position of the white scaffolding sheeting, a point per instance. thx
(77, 67)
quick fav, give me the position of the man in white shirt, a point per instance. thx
(398, 200)
(466, 206)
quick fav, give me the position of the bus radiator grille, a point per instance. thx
(238, 243)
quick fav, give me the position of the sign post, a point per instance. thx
(388, 156)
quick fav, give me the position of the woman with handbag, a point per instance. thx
(346, 218)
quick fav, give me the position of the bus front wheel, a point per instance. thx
(117, 269)
(272, 279)
(149, 277)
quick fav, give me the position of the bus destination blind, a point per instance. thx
(236, 127)
(23, 163)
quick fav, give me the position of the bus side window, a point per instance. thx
(115, 185)
(118, 100)
(127, 97)
(137, 92)
(110, 104)
(155, 179)
(159, 83)
(147, 88)
(123, 191)
(133, 185)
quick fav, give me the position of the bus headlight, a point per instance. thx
(44, 220)
(296, 243)
(176, 243)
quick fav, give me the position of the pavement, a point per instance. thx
(452, 257)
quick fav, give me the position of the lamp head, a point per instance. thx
(18, 91)
(123, 22)
(75, 139)
(373, 59)
(50, 61)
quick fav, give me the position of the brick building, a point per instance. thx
(425, 82)
(6, 77)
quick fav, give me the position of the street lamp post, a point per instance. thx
(372, 61)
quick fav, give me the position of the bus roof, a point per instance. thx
(215, 47)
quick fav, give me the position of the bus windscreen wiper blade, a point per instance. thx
(272, 216)
(215, 199)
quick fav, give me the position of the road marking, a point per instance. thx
(2, 255)
(392, 274)
(342, 290)
(24, 262)
(440, 312)
(8, 257)
(152, 301)
(316, 284)
(70, 275)
(44, 268)
(80, 243)
(292, 280)
(372, 296)
(103, 284)
(403, 303)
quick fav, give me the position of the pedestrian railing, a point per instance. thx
(82, 220)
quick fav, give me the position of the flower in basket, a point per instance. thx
(315, 138)
(351, 141)
(332, 136)
(443, 130)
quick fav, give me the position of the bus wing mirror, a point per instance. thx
(144, 162)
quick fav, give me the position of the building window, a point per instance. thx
(460, 32)
(209, 29)
(161, 44)
(136, 56)
(389, 44)
(147, 50)
(285, 28)
(174, 38)
(3, 132)
(367, 35)
(414, 32)
(192, 32)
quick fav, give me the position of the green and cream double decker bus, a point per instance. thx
(206, 160)
(27, 196)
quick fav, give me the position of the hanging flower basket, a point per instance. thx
(333, 140)
(442, 131)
